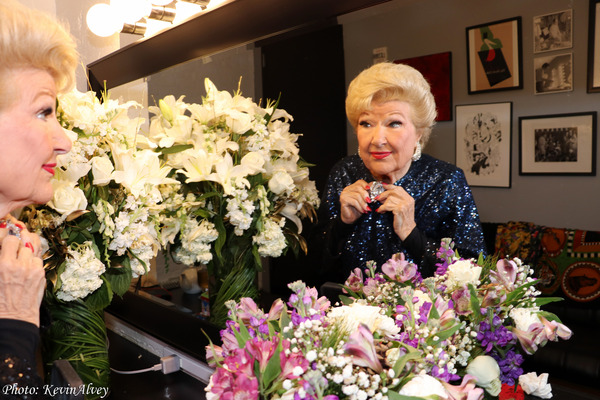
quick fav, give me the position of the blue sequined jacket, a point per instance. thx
(444, 207)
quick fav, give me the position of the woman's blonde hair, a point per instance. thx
(32, 39)
(388, 82)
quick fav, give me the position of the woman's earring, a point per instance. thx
(417, 154)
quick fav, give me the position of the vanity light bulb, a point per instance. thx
(102, 20)
(131, 10)
(161, 2)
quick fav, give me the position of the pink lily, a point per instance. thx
(262, 350)
(276, 310)
(492, 298)
(399, 269)
(506, 273)
(247, 309)
(360, 345)
(371, 288)
(528, 339)
(354, 281)
(465, 391)
(214, 355)
(462, 301)
(554, 330)
(288, 363)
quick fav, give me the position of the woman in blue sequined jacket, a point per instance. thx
(37, 60)
(390, 197)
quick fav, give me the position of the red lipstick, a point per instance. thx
(49, 168)
(379, 155)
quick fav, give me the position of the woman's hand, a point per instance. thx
(396, 200)
(22, 277)
(354, 201)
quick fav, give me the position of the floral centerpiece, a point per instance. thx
(101, 227)
(458, 335)
(243, 188)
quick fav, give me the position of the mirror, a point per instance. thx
(218, 44)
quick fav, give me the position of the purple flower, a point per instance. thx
(510, 366)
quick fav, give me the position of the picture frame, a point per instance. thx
(483, 143)
(553, 73)
(494, 56)
(437, 70)
(593, 76)
(553, 31)
(560, 144)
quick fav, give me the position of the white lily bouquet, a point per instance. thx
(244, 188)
(102, 225)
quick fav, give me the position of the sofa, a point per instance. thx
(567, 264)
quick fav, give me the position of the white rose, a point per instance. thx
(536, 385)
(102, 168)
(254, 162)
(350, 317)
(461, 273)
(281, 182)
(487, 372)
(67, 198)
(423, 386)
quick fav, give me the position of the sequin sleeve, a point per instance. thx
(18, 344)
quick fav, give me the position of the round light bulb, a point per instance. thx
(131, 11)
(102, 20)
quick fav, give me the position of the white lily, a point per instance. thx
(142, 172)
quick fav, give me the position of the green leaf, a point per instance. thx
(273, 368)
(119, 279)
(540, 301)
(101, 298)
(345, 300)
(413, 354)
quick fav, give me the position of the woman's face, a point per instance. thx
(30, 139)
(387, 139)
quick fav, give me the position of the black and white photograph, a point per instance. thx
(483, 136)
(561, 144)
(553, 31)
(556, 144)
(553, 74)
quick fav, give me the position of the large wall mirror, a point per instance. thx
(293, 48)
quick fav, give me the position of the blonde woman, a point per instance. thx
(38, 60)
(391, 197)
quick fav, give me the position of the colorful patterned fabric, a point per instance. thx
(518, 239)
(566, 261)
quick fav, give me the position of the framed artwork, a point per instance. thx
(593, 78)
(494, 56)
(553, 31)
(561, 144)
(553, 73)
(483, 142)
(437, 69)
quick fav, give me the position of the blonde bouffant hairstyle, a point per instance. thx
(30, 38)
(393, 82)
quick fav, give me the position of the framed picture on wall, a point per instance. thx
(437, 69)
(561, 144)
(483, 142)
(553, 73)
(494, 56)
(593, 78)
(553, 31)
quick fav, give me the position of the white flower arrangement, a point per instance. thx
(244, 187)
(106, 202)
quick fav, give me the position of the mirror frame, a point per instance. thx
(232, 24)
